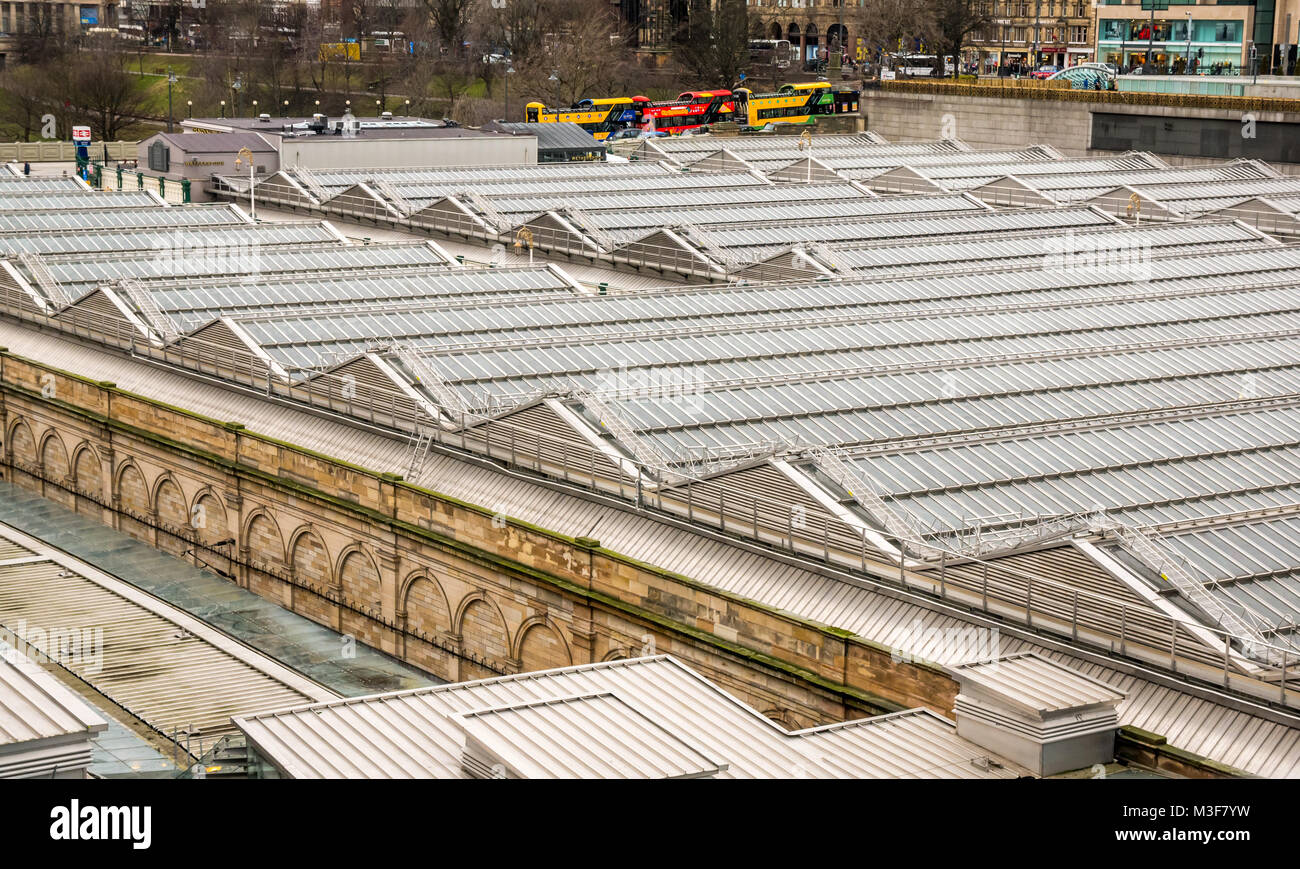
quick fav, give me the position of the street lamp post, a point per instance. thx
(223, 108)
(189, 108)
(171, 80)
(510, 70)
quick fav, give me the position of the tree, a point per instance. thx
(954, 21)
(715, 47)
(450, 20)
(25, 98)
(104, 90)
(889, 26)
(578, 56)
(41, 40)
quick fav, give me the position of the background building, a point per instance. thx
(1177, 36)
(376, 142)
(812, 26)
(1031, 33)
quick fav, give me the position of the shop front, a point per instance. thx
(1208, 47)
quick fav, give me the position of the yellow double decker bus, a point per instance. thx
(799, 103)
(599, 117)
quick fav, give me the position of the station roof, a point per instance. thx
(198, 235)
(955, 383)
(87, 215)
(1198, 722)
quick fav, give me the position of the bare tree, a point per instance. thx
(580, 53)
(24, 98)
(955, 20)
(715, 46)
(102, 88)
(888, 26)
(450, 19)
(42, 40)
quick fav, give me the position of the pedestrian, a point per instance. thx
(27, 168)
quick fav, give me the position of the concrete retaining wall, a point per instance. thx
(985, 122)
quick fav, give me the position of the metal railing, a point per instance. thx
(814, 536)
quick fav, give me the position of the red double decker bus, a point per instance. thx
(690, 111)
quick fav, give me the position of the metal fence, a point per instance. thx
(62, 152)
(175, 191)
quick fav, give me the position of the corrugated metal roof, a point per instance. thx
(167, 668)
(588, 736)
(35, 707)
(558, 136)
(641, 717)
(1197, 724)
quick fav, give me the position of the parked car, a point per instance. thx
(1046, 71)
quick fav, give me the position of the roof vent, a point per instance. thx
(1046, 717)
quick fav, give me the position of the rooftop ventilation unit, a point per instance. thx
(1048, 718)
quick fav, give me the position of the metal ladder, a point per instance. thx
(423, 374)
(419, 455)
(705, 244)
(308, 180)
(396, 200)
(145, 304)
(499, 221)
(44, 279)
(1179, 575)
(578, 217)
(643, 450)
(906, 530)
